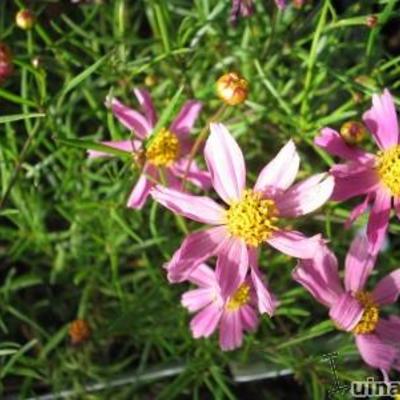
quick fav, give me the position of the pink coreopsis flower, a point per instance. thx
(166, 149)
(353, 308)
(377, 176)
(231, 315)
(252, 217)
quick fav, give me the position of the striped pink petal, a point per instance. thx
(183, 123)
(379, 220)
(130, 118)
(332, 142)
(375, 352)
(281, 172)
(230, 331)
(226, 163)
(346, 312)
(358, 265)
(306, 196)
(147, 106)
(205, 321)
(198, 208)
(381, 120)
(195, 249)
(125, 145)
(387, 290)
(295, 244)
(232, 266)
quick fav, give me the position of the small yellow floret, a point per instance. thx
(252, 218)
(388, 168)
(163, 149)
(370, 316)
(239, 298)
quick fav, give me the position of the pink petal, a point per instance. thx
(130, 118)
(186, 118)
(197, 299)
(332, 142)
(381, 120)
(205, 322)
(248, 317)
(357, 211)
(320, 276)
(198, 208)
(295, 244)
(396, 205)
(195, 249)
(358, 265)
(388, 289)
(355, 185)
(125, 145)
(230, 331)
(226, 163)
(141, 191)
(281, 172)
(389, 330)
(146, 103)
(203, 276)
(346, 312)
(306, 196)
(375, 353)
(281, 4)
(266, 300)
(195, 175)
(232, 266)
(379, 220)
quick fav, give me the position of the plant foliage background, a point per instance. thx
(70, 249)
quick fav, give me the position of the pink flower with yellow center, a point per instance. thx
(353, 308)
(164, 150)
(377, 176)
(231, 315)
(252, 216)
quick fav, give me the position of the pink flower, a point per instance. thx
(231, 315)
(253, 216)
(353, 309)
(241, 8)
(165, 149)
(376, 176)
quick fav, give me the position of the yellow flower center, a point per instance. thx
(370, 317)
(239, 298)
(252, 218)
(389, 169)
(163, 149)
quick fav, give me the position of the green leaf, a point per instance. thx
(89, 145)
(18, 117)
(83, 75)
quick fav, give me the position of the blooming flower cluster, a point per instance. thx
(240, 218)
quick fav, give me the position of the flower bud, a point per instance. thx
(79, 331)
(150, 80)
(232, 89)
(353, 132)
(371, 21)
(6, 67)
(25, 19)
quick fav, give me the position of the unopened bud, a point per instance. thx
(6, 67)
(232, 89)
(79, 331)
(25, 19)
(150, 80)
(353, 132)
(371, 21)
